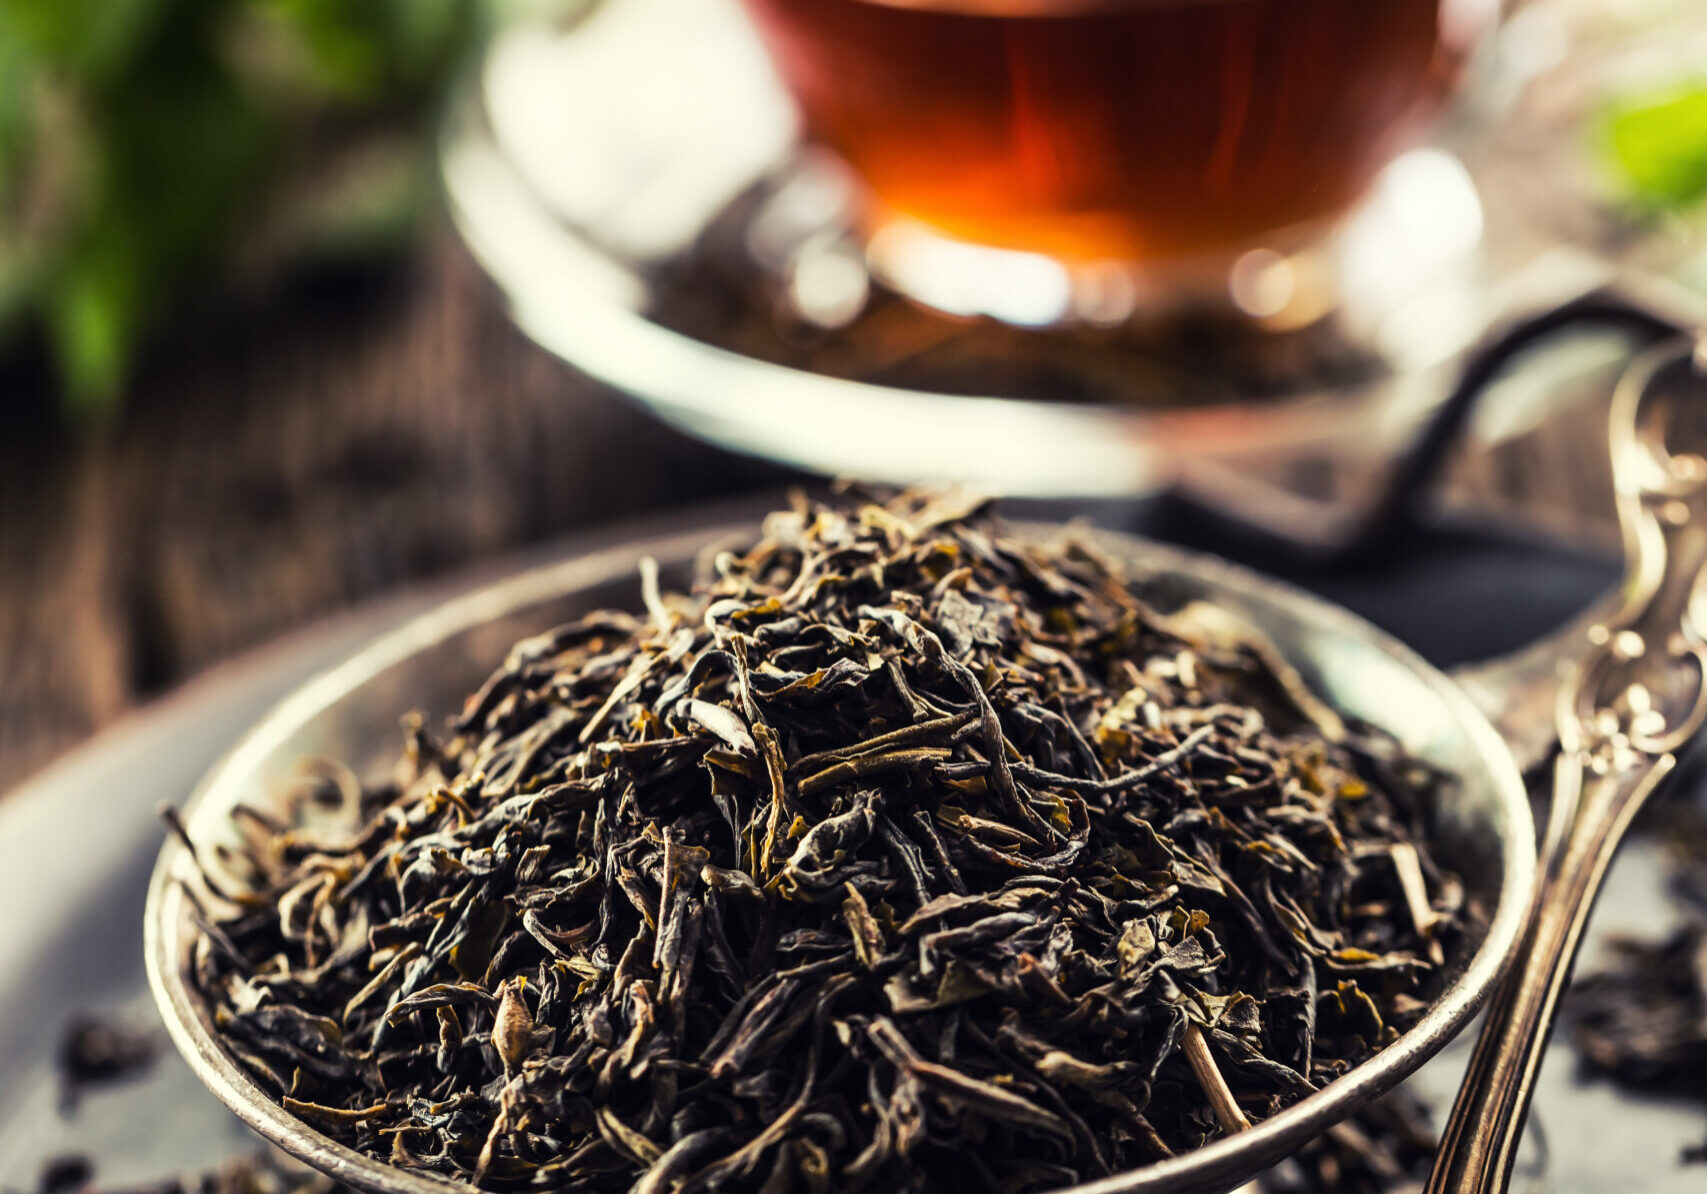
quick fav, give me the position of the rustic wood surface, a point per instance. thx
(289, 456)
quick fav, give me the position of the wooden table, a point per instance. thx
(289, 455)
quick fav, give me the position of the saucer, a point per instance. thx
(632, 176)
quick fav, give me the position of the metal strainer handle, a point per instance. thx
(1636, 695)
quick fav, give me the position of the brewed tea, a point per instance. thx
(1129, 129)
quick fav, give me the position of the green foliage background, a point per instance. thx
(136, 135)
(1658, 144)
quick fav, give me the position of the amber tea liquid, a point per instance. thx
(1130, 129)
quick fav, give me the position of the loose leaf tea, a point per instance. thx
(1384, 1148)
(1642, 1019)
(903, 854)
(260, 1173)
(96, 1050)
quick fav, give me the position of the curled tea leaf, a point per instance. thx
(903, 854)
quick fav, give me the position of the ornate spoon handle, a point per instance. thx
(1479, 1146)
(1638, 694)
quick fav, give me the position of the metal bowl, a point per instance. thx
(1481, 826)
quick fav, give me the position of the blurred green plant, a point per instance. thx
(141, 141)
(1658, 143)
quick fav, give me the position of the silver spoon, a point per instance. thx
(1631, 702)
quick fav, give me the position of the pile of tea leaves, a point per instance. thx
(264, 1172)
(902, 854)
(1641, 1018)
(1386, 1147)
(1383, 1148)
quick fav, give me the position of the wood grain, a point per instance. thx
(294, 454)
(290, 458)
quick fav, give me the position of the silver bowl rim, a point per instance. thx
(1222, 1163)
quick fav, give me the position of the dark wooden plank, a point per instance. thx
(287, 458)
(293, 452)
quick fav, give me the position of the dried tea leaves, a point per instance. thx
(1386, 1147)
(98, 1050)
(1642, 1018)
(901, 855)
(261, 1173)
